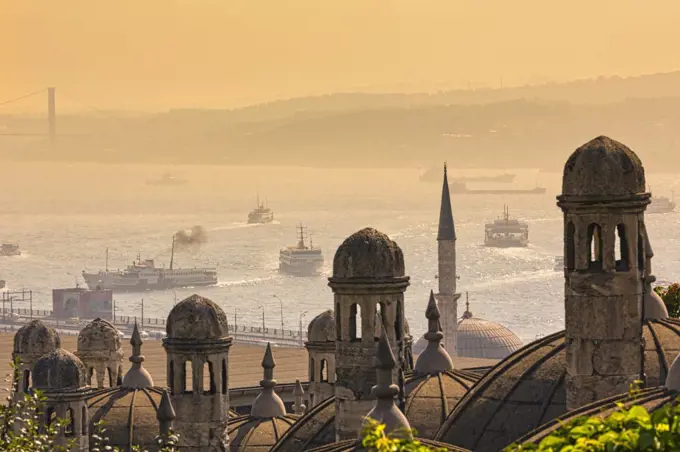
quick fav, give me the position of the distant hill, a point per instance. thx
(515, 127)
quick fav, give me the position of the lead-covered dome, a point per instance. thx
(99, 336)
(34, 340)
(527, 389)
(251, 433)
(59, 371)
(368, 253)
(197, 318)
(322, 328)
(603, 167)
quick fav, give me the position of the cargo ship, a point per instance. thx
(506, 232)
(434, 175)
(261, 214)
(300, 259)
(143, 275)
(461, 188)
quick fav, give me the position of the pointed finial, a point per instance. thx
(298, 394)
(268, 404)
(434, 359)
(385, 410)
(137, 376)
(447, 230)
(467, 314)
(444, 167)
(165, 415)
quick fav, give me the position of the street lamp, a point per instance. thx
(235, 327)
(302, 314)
(263, 334)
(281, 303)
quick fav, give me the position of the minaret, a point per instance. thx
(268, 404)
(385, 410)
(603, 200)
(434, 359)
(446, 253)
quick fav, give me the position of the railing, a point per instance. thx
(240, 333)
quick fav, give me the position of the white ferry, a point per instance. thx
(10, 249)
(301, 260)
(261, 214)
(144, 275)
(661, 205)
(506, 232)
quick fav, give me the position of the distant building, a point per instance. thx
(82, 303)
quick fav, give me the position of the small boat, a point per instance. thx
(301, 260)
(559, 263)
(262, 214)
(167, 179)
(506, 232)
(661, 204)
(10, 249)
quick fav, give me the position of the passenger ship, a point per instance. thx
(144, 275)
(506, 232)
(261, 214)
(10, 249)
(661, 205)
(301, 260)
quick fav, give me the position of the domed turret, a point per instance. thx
(322, 328)
(603, 167)
(34, 340)
(197, 318)
(100, 351)
(320, 345)
(368, 253)
(59, 371)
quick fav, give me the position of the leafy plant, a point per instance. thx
(671, 298)
(374, 438)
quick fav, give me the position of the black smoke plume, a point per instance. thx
(189, 238)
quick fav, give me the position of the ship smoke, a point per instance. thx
(189, 238)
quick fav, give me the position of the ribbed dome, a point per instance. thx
(651, 399)
(247, 433)
(129, 416)
(527, 389)
(34, 340)
(197, 318)
(603, 167)
(322, 328)
(429, 399)
(368, 253)
(351, 444)
(479, 338)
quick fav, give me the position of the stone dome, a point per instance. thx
(34, 340)
(368, 254)
(116, 407)
(603, 167)
(99, 336)
(429, 398)
(655, 308)
(197, 318)
(527, 389)
(352, 444)
(479, 338)
(322, 328)
(651, 399)
(59, 371)
(250, 433)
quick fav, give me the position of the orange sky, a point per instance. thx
(158, 54)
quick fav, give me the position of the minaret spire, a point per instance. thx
(447, 230)
(434, 359)
(268, 404)
(137, 377)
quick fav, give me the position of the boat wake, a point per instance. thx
(514, 279)
(245, 282)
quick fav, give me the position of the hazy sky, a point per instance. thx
(157, 54)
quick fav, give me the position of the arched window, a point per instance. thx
(83, 420)
(70, 428)
(188, 378)
(312, 376)
(641, 249)
(621, 251)
(595, 247)
(324, 371)
(355, 322)
(379, 320)
(110, 381)
(398, 325)
(50, 416)
(338, 323)
(208, 381)
(224, 376)
(27, 379)
(570, 240)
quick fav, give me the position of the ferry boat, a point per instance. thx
(261, 214)
(661, 205)
(301, 260)
(559, 263)
(144, 275)
(506, 232)
(10, 249)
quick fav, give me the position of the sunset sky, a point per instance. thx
(159, 54)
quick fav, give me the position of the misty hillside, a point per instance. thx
(381, 130)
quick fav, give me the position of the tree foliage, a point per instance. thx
(671, 298)
(375, 439)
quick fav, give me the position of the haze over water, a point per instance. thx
(65, 216)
